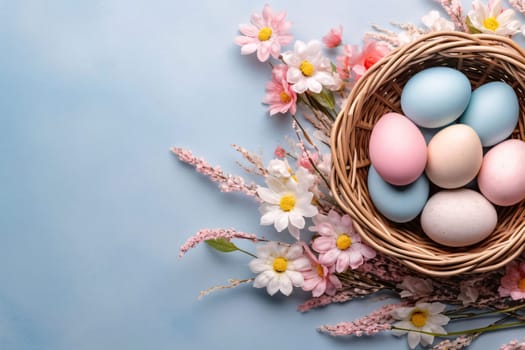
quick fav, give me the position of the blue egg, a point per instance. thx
(398, 203)
(493, 112)
(436, 96)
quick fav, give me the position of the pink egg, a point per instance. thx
(501, 178)
(397, 149)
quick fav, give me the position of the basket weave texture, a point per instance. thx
(482, 58)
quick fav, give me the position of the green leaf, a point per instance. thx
(470, 26)
(222, 245)
(326, 99)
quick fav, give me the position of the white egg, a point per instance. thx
(458, 218)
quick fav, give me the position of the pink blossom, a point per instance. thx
(319, 279)
(279, 93)
(306, 159)
(415, 286)
(513, 283)
(279, 152)
(338, 242)
(353, 64)
(333, 38)
(266, 34)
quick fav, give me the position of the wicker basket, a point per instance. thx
(482, 58)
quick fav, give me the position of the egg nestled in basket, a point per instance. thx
(466, 92)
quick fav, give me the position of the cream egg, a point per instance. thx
(458, 218)
(454, 156)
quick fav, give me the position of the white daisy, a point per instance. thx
(278, 266)
(308, 69)
(491, 18)
(424, 317)
(287, 203)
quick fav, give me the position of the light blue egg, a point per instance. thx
(493, 112)
(398, 203)
(435, 96)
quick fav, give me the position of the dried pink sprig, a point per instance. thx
(207, 234)
(454, 9)
(378, 321)
(340, 297)
(258, 167)
(518, 5)
(513, 345)
(460, 342)
(227, 182)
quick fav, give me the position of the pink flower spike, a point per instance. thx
(279, 94)
(319, 279)
(333, 38)
(265, 34)
(338, 243)
(513, 282)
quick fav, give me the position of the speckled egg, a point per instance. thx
(458, 218)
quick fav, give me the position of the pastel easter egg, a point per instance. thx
(397, 203)
(454, 156)
(501, 178)
(458, 218)
(435, 96)
(493, 112)
(397, 149)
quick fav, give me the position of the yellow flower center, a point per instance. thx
(343, 241)
(521, 284)
(265, 33)
(285, 98)
(280, 264)
(491, 23)
(320, 270)
(418, 319)
(307, 68)
(287, 202)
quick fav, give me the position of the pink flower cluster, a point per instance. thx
(354, 63)
(513, 283)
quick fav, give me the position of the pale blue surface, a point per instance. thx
(94, 207)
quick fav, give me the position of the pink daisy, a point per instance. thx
(353, 64)
(266, 34)
(319, 279)
(279, 94)
(333, 38)
(338, 243)
(513, 283)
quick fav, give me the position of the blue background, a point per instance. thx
(94, 207)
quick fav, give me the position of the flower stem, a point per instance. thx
(493, 327)
(246, 252)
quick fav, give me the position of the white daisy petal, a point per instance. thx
(262, 279)
(281, 221)
(258, 266)
(413, 339)
(285, 285)
(273, 285)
